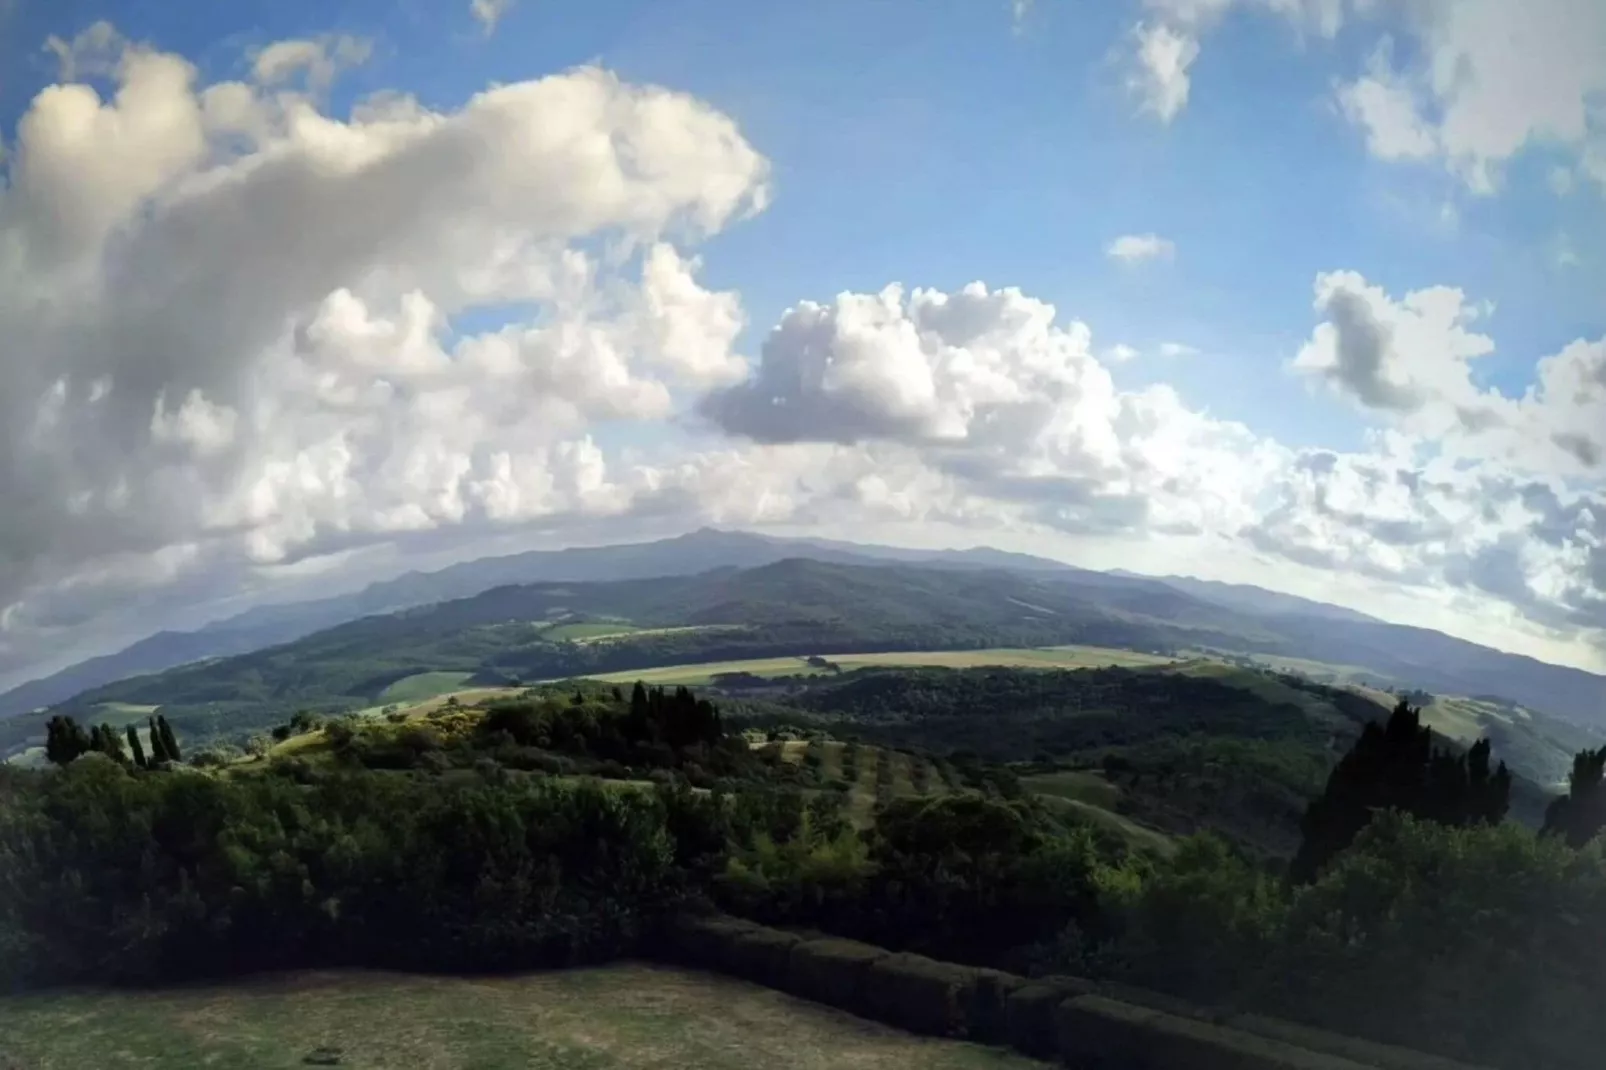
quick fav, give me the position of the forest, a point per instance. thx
(1414, 914)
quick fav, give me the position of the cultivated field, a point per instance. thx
(581, 631)
(625, 1016)
(1059, 657)
(421, 687)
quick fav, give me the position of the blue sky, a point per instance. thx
(937, 144)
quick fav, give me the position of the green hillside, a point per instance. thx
(555, 630)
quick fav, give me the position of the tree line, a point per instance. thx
(67, 740)
(1417, 916)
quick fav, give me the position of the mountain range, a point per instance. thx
(728, 578)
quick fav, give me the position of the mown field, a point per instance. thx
(423, 686)
(629, 1015)
(1059, 657)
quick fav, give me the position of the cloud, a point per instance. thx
(1489, 79)
(1161, 78)
(1120, 353)
(1177, 349)
(232, 319)
(1385, 106)
(1011, 415)
(248, 336)
(317, 60)
(1394, 356)
(94, 52)
(489, 12)
(983, 387)
(1412, 360)
(1166, 45)
(1474, 82)
(1133, 248)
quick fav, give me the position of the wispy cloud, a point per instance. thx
(1132, 248)
(489, 12)
(1161, 79)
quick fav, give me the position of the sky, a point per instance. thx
(1309, 294)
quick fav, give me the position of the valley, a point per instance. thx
(1111, 787)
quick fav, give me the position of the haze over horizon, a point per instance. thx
(1298, 293)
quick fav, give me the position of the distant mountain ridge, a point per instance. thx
(688, 554)
(1225, 616)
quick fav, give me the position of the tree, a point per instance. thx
(1579, 816)
(65, 740)
(1394, 767)
(107, 741)
(135, 748)
(158, 745)
(169, 741)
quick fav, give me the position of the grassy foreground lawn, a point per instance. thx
(624, 1016)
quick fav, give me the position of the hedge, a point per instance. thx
(1029, 1013)
(985, 1011)
(1367, 1052)
(1090, 1025)
(832, 972)
(1098, 1032)
(761, 955)
(921, 995)
(708, 941)
(1160, 1001)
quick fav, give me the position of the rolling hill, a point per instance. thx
(785, 597)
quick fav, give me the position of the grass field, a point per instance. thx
(1062, 657)
(582, 631)
(1139, 837)
(1083, 784)
(1092, 798)
(421, 687)
(619, 1017)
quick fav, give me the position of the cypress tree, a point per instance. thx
(169, 741)
(135, 748)
(158, 750)
(110, 743)
(1580, 815)
(1394, 767)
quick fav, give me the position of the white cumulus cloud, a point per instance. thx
(232, 317)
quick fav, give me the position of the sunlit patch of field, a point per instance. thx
(1060, 657)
